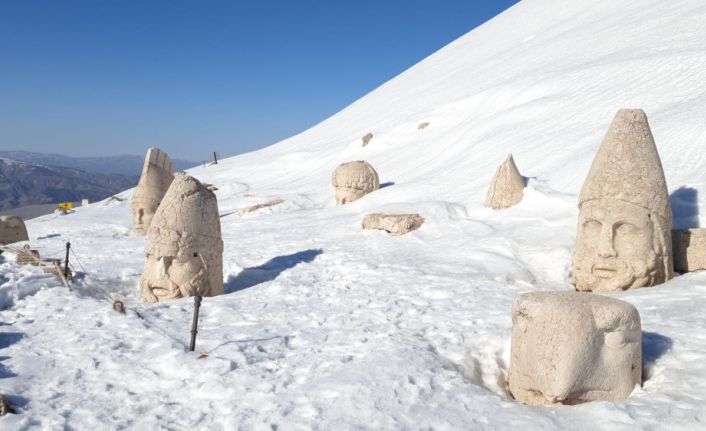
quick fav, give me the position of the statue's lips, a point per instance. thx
(604, 271)
(158, 290)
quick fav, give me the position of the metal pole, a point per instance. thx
(215, 158)
(195, 322)
(66, 262)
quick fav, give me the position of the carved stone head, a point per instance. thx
(157, 175)
(184, 251)
(573, 347)
(353, 180)
(12, 229)
(623, 238)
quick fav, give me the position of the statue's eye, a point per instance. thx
(592, 224)
(627, 229)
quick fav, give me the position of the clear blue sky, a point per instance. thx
(105, 77)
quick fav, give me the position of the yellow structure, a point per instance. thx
(66, 206)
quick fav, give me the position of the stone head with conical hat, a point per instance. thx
(624, 229)
(157, 175)
(184, 251)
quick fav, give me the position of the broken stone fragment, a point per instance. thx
(423, 125)
(395, 224)
(26, 256)
(157, 175)
(507, 187)
(184, 251)
(573, 347)
(353, 180)
(689, 249)
(12, 230)
(367, 138)
(624, 232)
(254, 208)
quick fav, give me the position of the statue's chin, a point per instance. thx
(604, 280)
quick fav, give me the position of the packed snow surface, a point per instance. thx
(326, 326)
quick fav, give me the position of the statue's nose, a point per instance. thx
(605, 242)
(164, 263)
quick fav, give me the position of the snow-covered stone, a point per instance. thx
(157, 175)
(573, 347)
(184, 252)
(253, 208)
(625, 220)
(395, 224)
(507, 187)
(353, 180)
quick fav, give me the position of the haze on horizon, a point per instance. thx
(84, 78)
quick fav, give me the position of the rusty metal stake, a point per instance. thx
(195, 322)
(66, 262)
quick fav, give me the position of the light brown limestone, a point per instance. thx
(353, 180)
(623, 238)
(689, 249)
(423, 125)
(184, 251)
(157, 175)
(395, 224)
(507, 187)
(12, 229)
(573, 347)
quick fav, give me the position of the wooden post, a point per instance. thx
(66, 262)
(195, 322)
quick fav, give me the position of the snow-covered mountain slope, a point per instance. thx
(326, 326)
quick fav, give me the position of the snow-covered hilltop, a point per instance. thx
(327, 326)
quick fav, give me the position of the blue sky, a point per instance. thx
(105, 77)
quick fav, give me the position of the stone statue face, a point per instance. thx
(141, 218)
(571, 350)
(614, 246)
(171, 277)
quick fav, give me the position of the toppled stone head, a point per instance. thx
(12, 229)
(507, 187)
(353, 180)
(157, 175)
(184, 251)
(573, 347)
(395, 224)
(623, 239)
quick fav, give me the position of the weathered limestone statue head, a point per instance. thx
(12, 229)
(157, 175)
(184, 251)
(353, 180)
(507, 187)
(625, 220)
(573, 347)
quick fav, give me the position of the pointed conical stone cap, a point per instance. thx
(186, 219)
(628, 168)
(507, 186)
(157, 175)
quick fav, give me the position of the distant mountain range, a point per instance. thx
(34, 179)
(123, 164)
